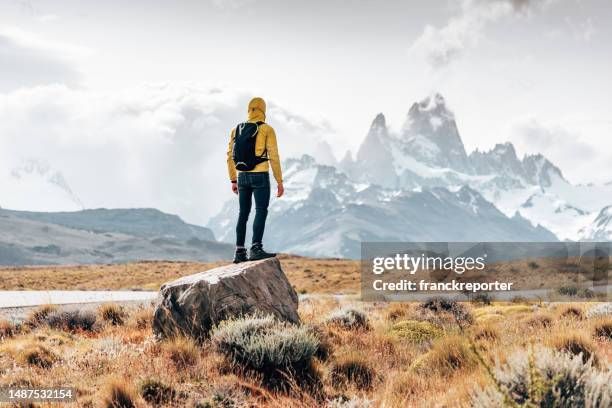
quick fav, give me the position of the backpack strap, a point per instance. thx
(265, 152)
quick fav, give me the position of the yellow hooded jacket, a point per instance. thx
(266, 141)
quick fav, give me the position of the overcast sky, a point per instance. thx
(157, 84)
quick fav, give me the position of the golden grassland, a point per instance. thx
(308, 275)
(401, 356)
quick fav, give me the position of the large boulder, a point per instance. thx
(192, 305)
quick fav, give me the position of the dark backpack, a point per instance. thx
(244, 155)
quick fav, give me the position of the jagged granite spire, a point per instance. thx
(374, 155)
(431, 135)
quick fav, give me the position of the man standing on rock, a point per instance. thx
(252, 150)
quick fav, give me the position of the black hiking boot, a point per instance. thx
(240, 255)
(257, 253)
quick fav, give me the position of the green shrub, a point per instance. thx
(267, 346)
(416, 331)
(546, 379)
(349, 318)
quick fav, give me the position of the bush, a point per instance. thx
(155, 391)
(142, 318)
(39, 316)
(8, 329)
(326, 348)
(116, 394)
(603, 329)
(546, 379)
(349, 318)
(448, 355)
(112, 313)
(568, 290)
(395, 312)
(540, 320)
(486, 332)
(572, 312)
(267, 346)
(440, 305)
(224, 396)
(416, 331)
(352, 369)
(482, 299)
(575, 344)
(600, 310)
(37, 355)
(74, 320)
(182, 351)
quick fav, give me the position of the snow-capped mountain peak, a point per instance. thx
(36, 186)
(601, 228)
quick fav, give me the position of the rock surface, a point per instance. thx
(193, 304)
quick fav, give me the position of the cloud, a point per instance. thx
(440, 46)
(231, 4)
(581, 30)
(157, 145)
(28, 60)
(565, 145)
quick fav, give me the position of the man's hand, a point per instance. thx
(235, 187)
(280, 190)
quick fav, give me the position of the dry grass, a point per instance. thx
(112, 314)
(308, 275)
(448, 356)
(117, 394)
(603, 329)
(574, 343)
(412, 355)
(570, 312)
(124, 364)
(7, 329)
(183, 352)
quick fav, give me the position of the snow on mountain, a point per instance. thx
(35, 186)
(324, 154)
(375, 157)
(419, 184)
(327, 213)
(431, 136)
(601, 228)
(429, 152)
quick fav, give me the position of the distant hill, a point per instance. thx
(103, 236)
(140, 222)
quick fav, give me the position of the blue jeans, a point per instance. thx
(252, 185)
